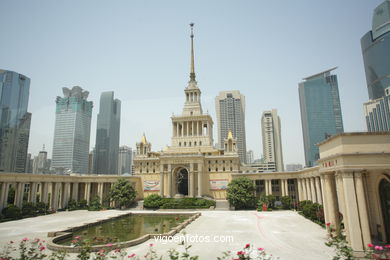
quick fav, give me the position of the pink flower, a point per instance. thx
(109, 245)
(327, 224)
(77, 237)
(387, 246)
(370, 245)
(240, 253)
(25, 239)
(42, 248)
(102, 251)
(151, 245)
(74, 241)
(379, 248)
(247, 245)
(132, 255)
(260, 249)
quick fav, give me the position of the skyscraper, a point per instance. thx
(125, 160)
(14, 121)
(376, 51)
(320, 112)
(72, 131)
(272, 139)
(107, 135)
(40, 163)
(230, 109)
(249, 157)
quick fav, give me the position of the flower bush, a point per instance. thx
(377, 251)
(241, 193)
(155, 201)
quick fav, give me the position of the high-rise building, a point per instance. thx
(293, 167)
(90, 161)
(40, 163)
(29, 163)
(272, 139)
(14, 121)
(320, 112)
(249, 157)
(376, 51)
(72, 131)
(107, 135)
(230, 110)
(125, 160)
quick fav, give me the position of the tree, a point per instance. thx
(241, 193)
(123, 193)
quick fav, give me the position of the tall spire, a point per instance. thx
(192, 73)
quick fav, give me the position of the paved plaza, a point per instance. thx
(285, 234)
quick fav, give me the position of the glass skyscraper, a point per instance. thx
(320, 112)
(14, 121)
(107, 134)
(376, 55)
(72, 131)
(230, 109)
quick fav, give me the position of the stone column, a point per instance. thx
(66, 195)
(55, 194)
(100, 191)
(318, 189)
(286, 187)
(330, 203)
(45, 192)
(188, 128)
(308, 191)
(112, 203)
(87, 191)
(282, 184)
(304, 193)
(161, 180)
(266, 185)
(191, 181)
(75, 191)
(4, 195)
(300, 195)
(169, 181)
(362, 206)
(323, 189)
(19, 191)
(33, 192)
(200, 180)
(313, 191)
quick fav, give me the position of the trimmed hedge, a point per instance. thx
(155, 201)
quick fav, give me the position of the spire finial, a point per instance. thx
(192, 73)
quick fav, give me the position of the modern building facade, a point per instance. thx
(107, 135)
(272, 139)
(376, 51)
(320, 112)
(249, 157)
(230, 110)
(14, 121)
(125, 160)
(72, 131)
(292, 167)
(41, 164)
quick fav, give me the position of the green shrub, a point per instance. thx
(82, 204)
(29, 209)
(241, 193)
(95, 204)
(42, 208)
(123, 193)
(72, 205)
(286, 202)
(269, 200)
(153, 201)
(12, 212)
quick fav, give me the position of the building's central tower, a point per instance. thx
(193, 130)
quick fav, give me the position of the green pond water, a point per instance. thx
(127, 228)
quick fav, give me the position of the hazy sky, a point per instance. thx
(140, 50)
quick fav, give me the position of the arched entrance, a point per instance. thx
(384, 194)
(182, 181)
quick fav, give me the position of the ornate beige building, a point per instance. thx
(191, 166)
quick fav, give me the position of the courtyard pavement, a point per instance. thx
(284, 234)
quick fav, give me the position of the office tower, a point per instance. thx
(72, 131)
(230, 109)
(249, 157)
(376, 51)
(40, 163)
(91, 161)
(272, 139)
(14, 121)
(29, 163)
(320, 112)
(124, 160)
(293, 167)
(107, 135)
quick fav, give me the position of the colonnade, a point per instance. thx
(191, 128)
(309, 188)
